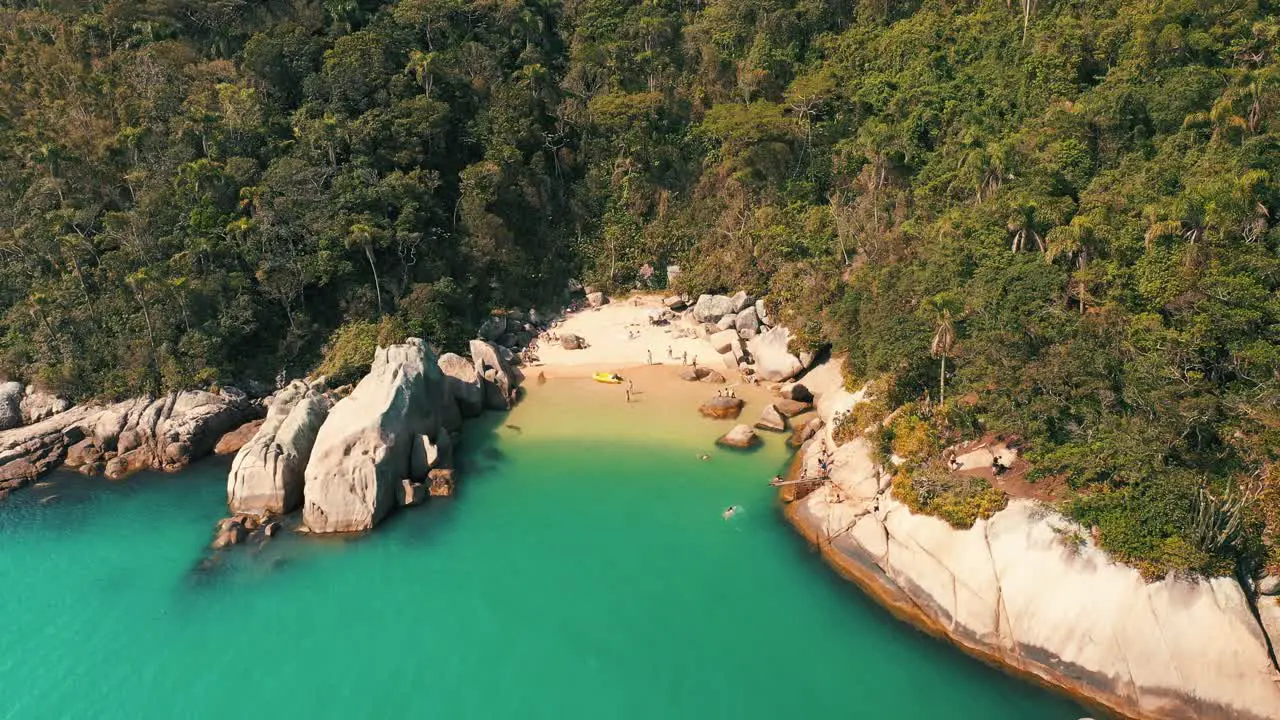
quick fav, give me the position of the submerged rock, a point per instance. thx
(267, 473)
(741, 436)
(722, 408)
(366, 445)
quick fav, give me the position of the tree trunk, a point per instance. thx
(942, 382)
(377, 286)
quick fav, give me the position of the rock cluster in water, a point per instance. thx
(163, 433)
(349, 461)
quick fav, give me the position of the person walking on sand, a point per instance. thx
(669, 355)
(684, 359)
(628, 395)
(650, 357)
(695, 362)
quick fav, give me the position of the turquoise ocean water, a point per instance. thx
(584, 571)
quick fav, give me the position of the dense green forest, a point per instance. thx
(1057, 216)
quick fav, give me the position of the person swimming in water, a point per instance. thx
(730, 511)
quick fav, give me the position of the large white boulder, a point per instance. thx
(37, 406)
(710, 308)
(772, 353)
(366, 445)
(463, 383)
(498, 373)
(10, 404)
(267, 473)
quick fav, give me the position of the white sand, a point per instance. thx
(609, 349)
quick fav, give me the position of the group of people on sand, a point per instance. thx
(726, 392)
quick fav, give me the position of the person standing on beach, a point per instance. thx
(650, 357)
(684, 359)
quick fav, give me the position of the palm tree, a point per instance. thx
(944, 337)
(422, 66)
(1076, 241)
(362, 236)
(1024, 227)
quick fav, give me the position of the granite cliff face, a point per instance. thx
(266, 475)
(1028, 590)
(366, 446)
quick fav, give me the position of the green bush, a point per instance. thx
(349, 352)
(959, 499)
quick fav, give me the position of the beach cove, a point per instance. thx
(583, 570)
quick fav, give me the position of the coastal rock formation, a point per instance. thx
(762, 314)
(771, 419)
(267, 473)
(569, 341)
(499, 376)
(792, 408)
(747, 320)
(1029, 589)
(795, 391)
(726, 323)
(463, 383)
(37, 406)
(366, 445)
(441, 482)
(723, 341)
(674, 302)
(805, 431)
(741, 437)
(10, 405)
(722, 408)
(596, 299)
(710, 308)
(163, 434)
(231, 441)
(774, 361)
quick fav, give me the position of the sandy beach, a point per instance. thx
(619, 337)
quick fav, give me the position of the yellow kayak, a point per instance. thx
(609, 378)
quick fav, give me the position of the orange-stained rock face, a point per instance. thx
(232, 442)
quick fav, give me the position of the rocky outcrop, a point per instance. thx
(722, 408)
(723, 341)
(144, 433)
(804, 431)
(498, 373)
(366, 445)
(267, 473)
(741, 437)
(569, 341)
(463, 383)
(37, 406)
(774, 361)
(10, 405)
(701, 374)
(1029, 590)
(710, 308)
(596, 299)
(771, 419)
(792, 408)
(231, 441)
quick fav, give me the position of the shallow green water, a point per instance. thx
(572, 578)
